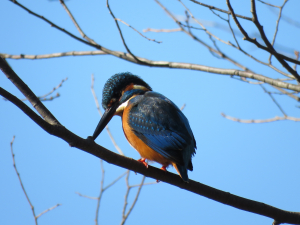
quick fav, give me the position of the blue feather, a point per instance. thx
(160, 124)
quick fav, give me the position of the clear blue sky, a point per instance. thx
(255, 161)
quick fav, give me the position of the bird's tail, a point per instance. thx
(182, 171)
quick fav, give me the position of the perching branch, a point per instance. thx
(89, 146)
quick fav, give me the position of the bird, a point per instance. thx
(153, 125)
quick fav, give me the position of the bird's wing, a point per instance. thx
(160, 124)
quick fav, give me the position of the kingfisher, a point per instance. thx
(152, 123)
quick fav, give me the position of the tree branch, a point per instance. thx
(34, 100)
(147, 62)
(269, 45)
(254, 41)
(89, 146)
(220, 10)
(52, 55)
(276, 118)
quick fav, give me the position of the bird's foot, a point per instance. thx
(143, 160)
(164, 168)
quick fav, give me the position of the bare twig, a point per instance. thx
(268, 4)
(54, 89)
(21, 183)
(100, 112)
(182, 107)
(162, 30)
(36, 103)
(144, 61)
(297, 57)
(274, 100)
(121, 34)
(254, 41)
(276, 28)
(86, 196)
(76, 24)
(220, 10)
(47, 210)
(23, 188)
(114, 181)
(276, 118)
(53, 55)
(101, 192)
(124, 214)
(137, 31)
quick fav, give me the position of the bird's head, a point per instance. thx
(117, 91)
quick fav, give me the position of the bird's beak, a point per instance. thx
(108, 114)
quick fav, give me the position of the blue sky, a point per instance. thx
(255, 161)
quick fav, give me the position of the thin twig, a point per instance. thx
(274, 100)
(254, 41)
(182, 107)
(114, 181)
(162, 30)
(137, 31)
(24, 191)
(53, 55)
(76, 24)
(21, 183)
(124, 214)
(100, 112)
(47, 210)
(276, 28)
(101, 192)
(221, 10)
(276, 118)
(268, 44)
(120, 32)
(54, 89)
(297, 57)
(268, 4)
(175, 64)
(135, 199)
(86, 196)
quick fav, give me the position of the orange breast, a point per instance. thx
(144, 150)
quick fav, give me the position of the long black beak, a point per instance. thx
(108, 114)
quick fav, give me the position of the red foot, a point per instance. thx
(164, 168)
(143, 160)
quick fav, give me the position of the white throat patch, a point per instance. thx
(122, 106)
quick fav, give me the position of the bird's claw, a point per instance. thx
(143, 160)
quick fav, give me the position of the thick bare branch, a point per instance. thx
(36, 103)
(269, 45)
(254, 41)
(89, 146)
